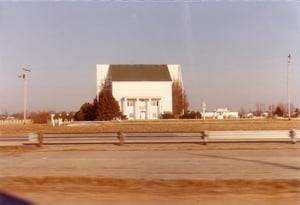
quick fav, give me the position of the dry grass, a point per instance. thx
(153, 126)
(96, 184)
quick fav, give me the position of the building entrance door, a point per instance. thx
(142, 115)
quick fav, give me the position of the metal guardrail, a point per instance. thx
(114, 138)
(9, 141)
(284, 135)
(174, 137)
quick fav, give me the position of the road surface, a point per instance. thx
(230, 173)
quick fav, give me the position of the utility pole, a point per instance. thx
(288, 85)
(203, 105)
(24, 76)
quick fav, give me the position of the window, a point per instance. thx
(154, 103)
(130, 103)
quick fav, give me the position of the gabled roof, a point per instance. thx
(140, 72)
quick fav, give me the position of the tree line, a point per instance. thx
(104, 107)
(280, 110)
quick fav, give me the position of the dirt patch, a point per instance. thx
(96, 184)
(95, 190)
(18, 148)
(154, 147)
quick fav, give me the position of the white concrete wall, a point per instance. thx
(232, 115)
(101, 74)
(142, 89)
(175, 73)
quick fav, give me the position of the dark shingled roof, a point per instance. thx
(140, 72)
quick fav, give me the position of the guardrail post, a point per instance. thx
(33, 138)
(40, 139)
(293, 136)
(204, 136)
(121, 138)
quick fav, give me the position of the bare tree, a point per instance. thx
(272, 109)
(260, 108)
(180, 102)
(242, 112)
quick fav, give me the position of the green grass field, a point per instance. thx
(153, 126)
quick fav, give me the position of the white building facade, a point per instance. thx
(221, 113)
(143, 91)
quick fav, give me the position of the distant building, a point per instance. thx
(221, 113)
(144, 91)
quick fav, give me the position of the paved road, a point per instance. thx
(73, 169)
(273, 161)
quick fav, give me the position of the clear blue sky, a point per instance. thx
(232, 54)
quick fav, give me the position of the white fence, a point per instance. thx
(14, 122)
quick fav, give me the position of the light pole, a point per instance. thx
(203, 105)
(288, 85)
(24, 76)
